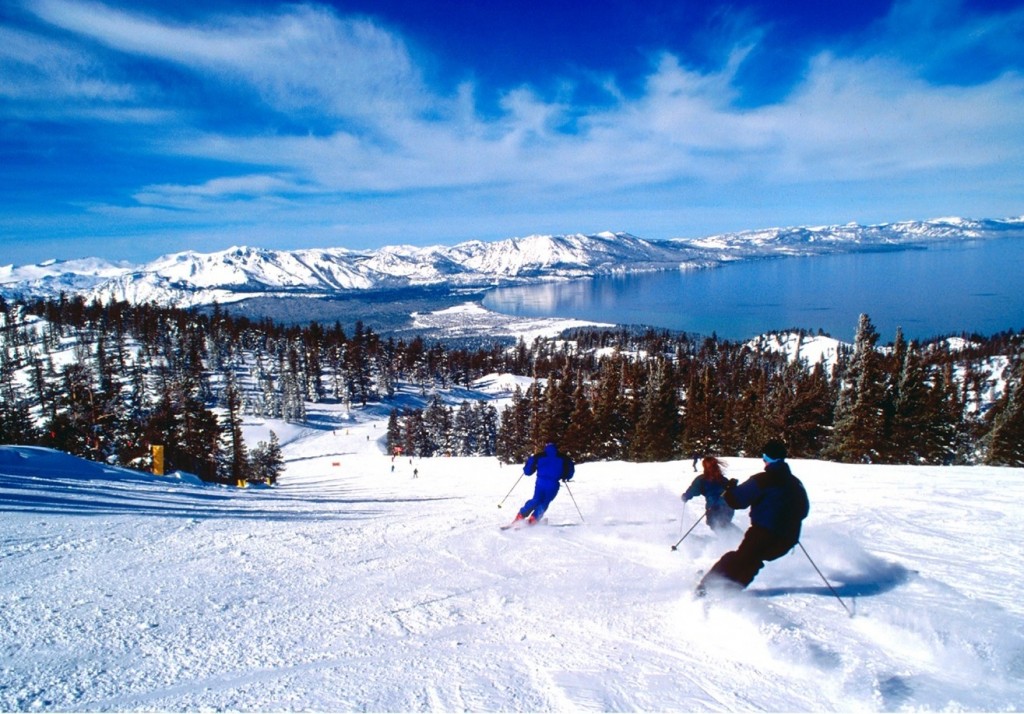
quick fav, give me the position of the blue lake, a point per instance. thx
(944, 288)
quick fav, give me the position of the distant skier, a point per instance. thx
(696, 457)
(711, 484)
(551, 468)
(778, 505)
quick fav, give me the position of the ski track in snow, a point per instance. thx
(350, 587)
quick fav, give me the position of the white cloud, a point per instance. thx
(230, 189)
(303, 58)
(875, 119)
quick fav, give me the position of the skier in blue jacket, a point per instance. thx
(551, 468)
(778, 505)
(711, 484)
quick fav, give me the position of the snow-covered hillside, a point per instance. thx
(813, 240)
(237, 273)
(191, 278)
(362, 583)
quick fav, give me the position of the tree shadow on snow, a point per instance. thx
(62, 496)
(45, 481)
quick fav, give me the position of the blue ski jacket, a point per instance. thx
(550, 466)
(714, 498)
(711, 491)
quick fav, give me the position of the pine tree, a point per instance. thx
(859, 421)
(312, 344)
(388, 369)
(806, 413)
(131, 435)
(71, 428)
(16, 423)
(1006, 437)
(555, 412)
(109, 404)
(487, 421)
(415, 438)
(753, 418)
(658, 426)
(267, 461)
(190, 433)
(393, 437)
(293, 402)
(696, 431)
(610, 423)
(948, 437)
(234, 457)
(910, 430)
(465, 431)
(437, 424)
(579, 433)
(357, 365)
(514, 442)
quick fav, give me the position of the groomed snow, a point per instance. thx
(352, 587)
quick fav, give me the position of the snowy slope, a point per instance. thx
(355, 587)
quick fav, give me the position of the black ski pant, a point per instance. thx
(742, 565)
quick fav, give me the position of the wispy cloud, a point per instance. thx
(951, 41)
(227, 189)
(298, 58)
(849, 120)
(34, 69)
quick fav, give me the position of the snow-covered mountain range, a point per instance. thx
(191, 278)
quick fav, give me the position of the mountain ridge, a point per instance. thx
(193, 279)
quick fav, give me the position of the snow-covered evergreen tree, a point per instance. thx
(266, 461)
(1006, 437)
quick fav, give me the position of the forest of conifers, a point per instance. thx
(106, 381)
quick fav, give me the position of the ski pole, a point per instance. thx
(574, 501)
(511, 489)
(824, 579)
(676, 546)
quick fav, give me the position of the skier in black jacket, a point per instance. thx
(778, 505)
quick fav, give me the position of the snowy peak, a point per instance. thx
(809, 240)
(51, 277)
(239, 272)
(192, 278)
(569, 255)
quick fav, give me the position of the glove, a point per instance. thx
(731, 483)
(683, 498)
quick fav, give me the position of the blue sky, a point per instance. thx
(129, 130)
